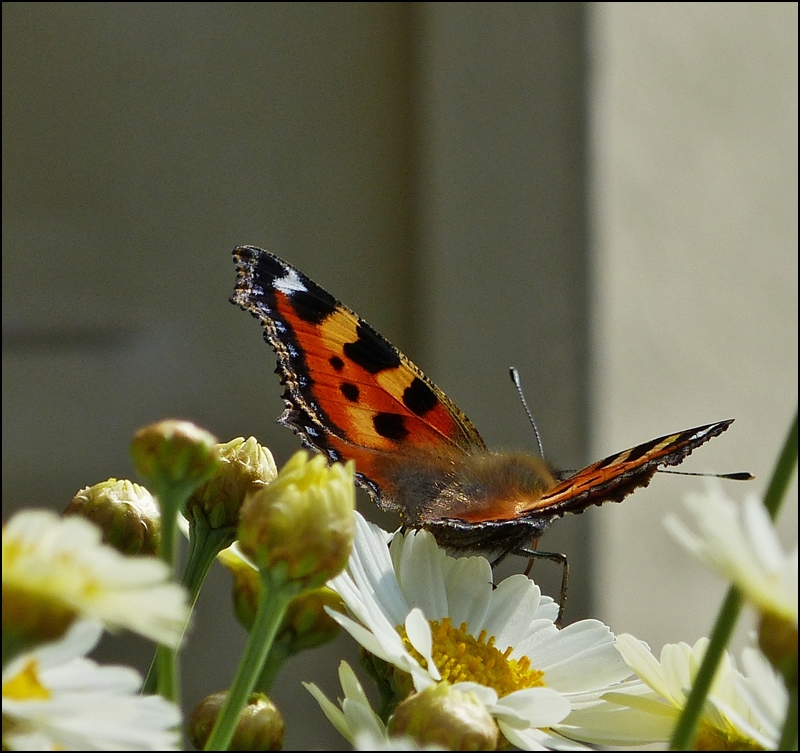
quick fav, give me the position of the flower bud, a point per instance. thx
(125, 512)
(301, 526)
(30, 618)
(245, 467)
(246, 584)
(305, 625)
(777, 639)
(260, 724)
(441, 715)
(174, 454)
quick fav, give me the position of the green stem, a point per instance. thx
(168, 546)
(205, 543)
(166, 659)
(274, 599)
(275, 660)
(686, 728)
(789, 734)
(783, 473)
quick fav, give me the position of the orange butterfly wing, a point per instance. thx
(612, 479)
(349, 392)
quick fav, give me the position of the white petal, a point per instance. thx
(761, 531)
(333, 714)
(581, 657)
(524, 739)
(418, 630)
(371, 568)
(487, 696)
(637, 656)
(535, 707)
(420, 575)
(361, 717)
(468, 581)
(513, 610)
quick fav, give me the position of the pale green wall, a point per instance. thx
(694, 221)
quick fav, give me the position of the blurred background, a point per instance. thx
(603, 195)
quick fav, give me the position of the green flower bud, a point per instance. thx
(777, 639)
(301, 526)
(31, 618)
(126, 513)
(260, 725)
(307, 624)
(245, 467)
(246, 584)
(443, 716)
(174, 454)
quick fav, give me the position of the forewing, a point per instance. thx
(349, 392)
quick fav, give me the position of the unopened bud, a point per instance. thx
(126, 513)
(174, 454)
(260, 724)
(301, 526)
(442, 715)
(245, 467)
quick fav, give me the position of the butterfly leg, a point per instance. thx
(553, 557)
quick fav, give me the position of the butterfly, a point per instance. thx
(351, 395)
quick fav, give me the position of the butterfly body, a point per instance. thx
(352, 395)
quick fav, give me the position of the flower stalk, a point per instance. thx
(276, 593)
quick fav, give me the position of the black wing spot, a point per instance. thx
(371, 351)
(310, 307)
(391, 426)
(336, 362)
(419, 398)
(350, 391)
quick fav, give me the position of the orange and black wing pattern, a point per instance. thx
(349, 392)
(615, 477)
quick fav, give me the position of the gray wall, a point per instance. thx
(425, 163)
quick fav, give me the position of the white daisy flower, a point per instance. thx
(55, 699)
(57, 566)
(742, 711)
(741, 545)
(436, 617)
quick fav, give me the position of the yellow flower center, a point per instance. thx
(461, 657)
(25, 685)
(714, 738)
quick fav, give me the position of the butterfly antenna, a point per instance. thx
(515, 378)
(741, 476)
